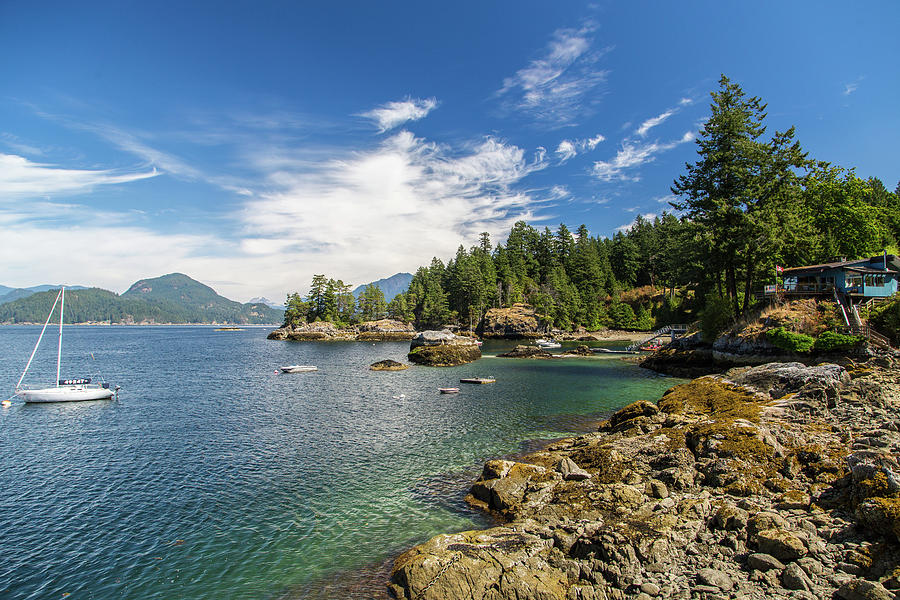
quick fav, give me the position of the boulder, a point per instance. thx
(388, 365)
(518, 321)
(580, 350)
(764, 562)
(443, 349)
(385, 330)
(861, 589)
(571, 471)
(523, 351)
(783, 545)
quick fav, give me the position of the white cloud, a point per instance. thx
(633, 155)
(374, 213)
(649, 124)
(22, 178)
(394, 114)
(553, 88)
(592, 142)
(851, 87)
(355, 216)
(568, 149)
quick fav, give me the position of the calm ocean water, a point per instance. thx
(214, 477)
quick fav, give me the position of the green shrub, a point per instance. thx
(790, 341)
(716, 317)
(830, 341)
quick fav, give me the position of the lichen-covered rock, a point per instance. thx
(323, 331)
(517, 322)
(495, 564)
(860, 589)
(580, 350)
(388, 365)
(783, 545)
(524, 351)
(443, 349)
(385, 330)
(318, 331)
(747, 479)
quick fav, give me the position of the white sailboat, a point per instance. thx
(65, 390)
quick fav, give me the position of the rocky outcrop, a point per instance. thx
(777, 481)
(385, 330)
(516, 322)
(443, 349)
(370, 331)
(524, 351)
(388, 365)
(579, 350)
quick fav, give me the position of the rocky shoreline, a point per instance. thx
(775, 481)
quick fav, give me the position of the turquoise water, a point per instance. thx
(214, 477)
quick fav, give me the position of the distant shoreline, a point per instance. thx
(93, 324)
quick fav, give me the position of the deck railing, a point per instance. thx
(869, 334)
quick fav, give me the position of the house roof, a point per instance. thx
(862, 265)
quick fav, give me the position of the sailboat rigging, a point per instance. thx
(65, 390)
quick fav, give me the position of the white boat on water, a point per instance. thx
(299, 369)
(65, 390)
(548, 344)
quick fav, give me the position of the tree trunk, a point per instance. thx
(748, 285)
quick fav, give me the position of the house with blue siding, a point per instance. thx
(855, 280)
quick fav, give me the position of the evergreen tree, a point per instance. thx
(733, 188)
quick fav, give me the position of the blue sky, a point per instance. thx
(251, 145)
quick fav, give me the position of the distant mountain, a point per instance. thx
(174, 298)
(8, 294)
(391, 286)
(181, 290)
(267, 302)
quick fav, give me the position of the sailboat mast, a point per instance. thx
(62, 305)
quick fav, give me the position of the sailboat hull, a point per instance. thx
(66, 393)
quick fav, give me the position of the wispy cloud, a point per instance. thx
(635, 152)
(633, 155)
(22, 178)
(568, 149)
(851, 87)
(394, 114)
(649, 124)
(553, 88)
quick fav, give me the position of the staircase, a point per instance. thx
(873, 337)
(671, 330)
(856, 325)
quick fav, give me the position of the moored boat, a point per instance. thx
(65, 390)
(450, 390)
(477, 380)
(299, 368)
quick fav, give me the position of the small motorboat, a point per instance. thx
(478, 380)
(449, 390)
(548, 344)
(299, 369)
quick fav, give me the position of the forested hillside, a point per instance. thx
(749, 202)
(178, 299)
